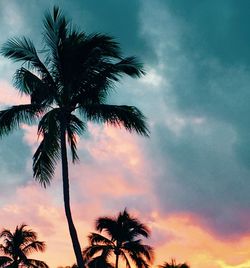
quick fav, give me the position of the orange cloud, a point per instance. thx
(114, 172)
(191, 242)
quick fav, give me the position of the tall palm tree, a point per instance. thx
(18, 245)
(121, 240)
(173, 264)
(67, 88)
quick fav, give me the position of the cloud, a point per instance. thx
(200, 139)
(192, 244)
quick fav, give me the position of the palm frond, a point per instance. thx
(75, 126)
(34, 246)
(138, 260)
(25, 81)
(134, 226)
(48, 152)
(139, 249)
(26, 234)
(95, 238)
(138, 228)
(35, 263)
(90, 251)
(123, 255)
(109, 225)
(5, 261)
(104, 44)
(7, 248)
(55, 32)
(173, 264)
(130, 66)
(21, 49)
(55, 29)
(30, 84)
(100, 261)
(127, 116)
(11, 118)
(6, 233)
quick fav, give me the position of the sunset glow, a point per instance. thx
(189, 180)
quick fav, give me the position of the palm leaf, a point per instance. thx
(74, 127)
(6, 233)
(5, 260)
(130, 66)
(22, 49)
(30, 84)
(138, 260)
(95, 238)
(11, 118)
(100, 261)
(34, 246)
(48, 152)
(56, 31)
(123, 255)
(105, 45)
(35, 263)
(127, 116)
(109, 225)
(139, 249)
(90, 251)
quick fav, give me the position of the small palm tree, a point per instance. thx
(121, 240)
(173, 264)
(68, 88)
(18, 245)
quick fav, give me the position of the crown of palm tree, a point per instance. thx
(18, 245)
(122, 240)
(173, 264)
(77, 75)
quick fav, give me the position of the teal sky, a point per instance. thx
(195, 95)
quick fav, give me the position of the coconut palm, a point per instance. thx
(173, 264)
(18, 245)
(121, 239)
(67, 88)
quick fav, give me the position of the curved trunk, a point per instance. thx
(65, 177)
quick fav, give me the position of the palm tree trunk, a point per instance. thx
(65, 176)
(117, 253)
(116, 260)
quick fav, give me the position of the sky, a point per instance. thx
(189, 182)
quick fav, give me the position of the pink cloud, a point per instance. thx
(10, 96)
(117, 172)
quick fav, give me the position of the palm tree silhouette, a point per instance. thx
(75, 78)
(18, 245)
(121, 240)
(173, 264)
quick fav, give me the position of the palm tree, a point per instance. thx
(173, 264)
(18, 245)
(74, 79)
(121, 240)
